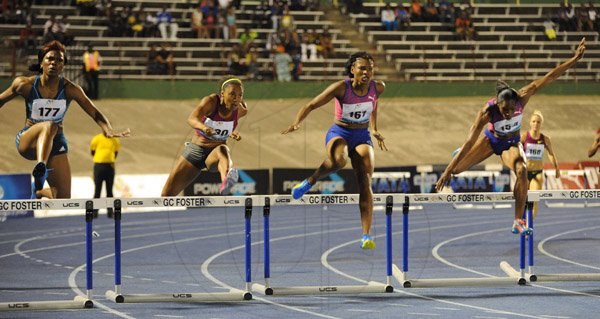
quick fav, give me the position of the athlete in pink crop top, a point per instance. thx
(535, 145)
(214, 120)
(355, 113)
(504, 113)
(595, 144)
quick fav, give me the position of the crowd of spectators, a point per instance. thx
(582, 18)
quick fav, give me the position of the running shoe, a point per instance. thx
(40, 173)
(229, 181)
(367, 242)
(300, 189)
(520, 227)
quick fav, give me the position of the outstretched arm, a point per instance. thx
(551, 155)
(481, 120)
(373, 120)
(529, 90)
(75, 92)
(336, 89)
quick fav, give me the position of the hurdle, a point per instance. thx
(370, 287)
(560, 194)
(514, 277)
(232, 295)
(79, 302)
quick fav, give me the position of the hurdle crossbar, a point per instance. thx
(371, 287)
(79, 302)
(558, 195)
(401, 275)
(233, 294)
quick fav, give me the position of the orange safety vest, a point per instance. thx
(91, 61)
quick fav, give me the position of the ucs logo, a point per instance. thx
(18, 305)
(182, 296)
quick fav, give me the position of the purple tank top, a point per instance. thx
(223, 127)
(353, 108)
(501, 126)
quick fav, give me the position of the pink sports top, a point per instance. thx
(222, 127)
(534, 149)
(353, 108)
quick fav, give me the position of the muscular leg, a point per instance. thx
(220, 156)
(59, 178)
(480, 151)
(36, 142)
(536, 184)
(512, 158)
(337, 153)
(363, 161)
(182, 175)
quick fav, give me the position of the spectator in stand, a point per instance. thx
(464, 27)
(67, 38)
(388, 18)
(261, 16)
(416, 11)
(51, 30)
(402, 17)
(287, 20)
(465, 5)
(561, 17)
(27, 42)
(236, 61)
(164, 19)
(308, 46)
(583, 21)
(550, 28)
(87, 7)
(445, 12)
(353, 6)
(116, 25)
(572, 17)
(138, 23)
(430, 12)
(326, 40)
(167, 58)
(24, 14)
(593, 16)
(91, 71)
(276, 12)
(150, 26)
(252, 63)
(211, 25)
(197, 23)
(247, 38)
(282, 61)
(155, 64)
(231, 22)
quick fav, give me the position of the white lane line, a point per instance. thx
(362, 310)
(398, 305)
(169, 316)
(447, 308)
(423, 314)
(557, 317)
(543, 251)
(484, 317)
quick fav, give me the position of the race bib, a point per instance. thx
(534, 151)
(48, 110)
(357, 113)
(505, 127)
(222, 129)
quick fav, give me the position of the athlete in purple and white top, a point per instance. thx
(349, 136)
(214, 121)
(503, 115)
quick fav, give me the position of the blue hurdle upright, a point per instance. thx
(79, 302)
(232, 295)
(371, 287)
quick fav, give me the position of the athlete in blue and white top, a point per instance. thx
(349, 136)
(504, 113)
(47, 97)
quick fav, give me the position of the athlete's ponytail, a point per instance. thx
(505, 93)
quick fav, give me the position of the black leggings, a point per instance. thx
(104, 172)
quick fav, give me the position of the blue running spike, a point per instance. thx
(300, 189)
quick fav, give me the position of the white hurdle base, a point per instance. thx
(455, 282)
(371, 287)
(571, 205)
(232, 295)
(78, 302)
(564, 277)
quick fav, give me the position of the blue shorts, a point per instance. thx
(59, 143)
(500, 145)
(352, 136)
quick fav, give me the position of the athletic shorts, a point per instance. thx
(532, 174)
(59, 143)
(196, 154)
(500, 145)
(352, 136)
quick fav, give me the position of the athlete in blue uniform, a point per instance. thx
(47, 97)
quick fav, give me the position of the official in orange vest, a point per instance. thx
(91, 71)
